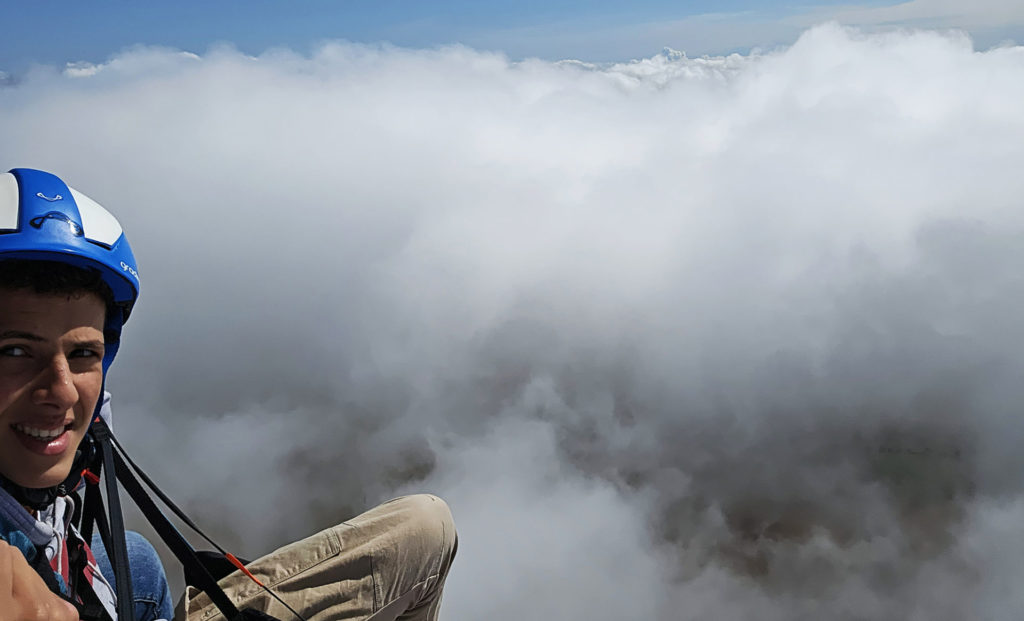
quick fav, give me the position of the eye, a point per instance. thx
(83, 352)
(13, 351)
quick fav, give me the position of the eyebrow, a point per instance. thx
(20, 334)
(90, 343)
(29, 336)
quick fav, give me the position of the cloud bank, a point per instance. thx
(677, 338)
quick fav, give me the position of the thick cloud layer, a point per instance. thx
(677, 338)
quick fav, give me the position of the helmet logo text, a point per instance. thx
(129, 269)
(75, 227)
(47, 198)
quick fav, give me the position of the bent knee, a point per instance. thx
(427, 506)
(427, 514)
(427, 520)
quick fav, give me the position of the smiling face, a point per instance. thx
(51, 375)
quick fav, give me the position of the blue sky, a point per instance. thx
(58, 32)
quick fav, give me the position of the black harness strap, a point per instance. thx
(162, 496)
(92, 513)
(118, 548)
(174, 539)
(115, 467)
(90, 609)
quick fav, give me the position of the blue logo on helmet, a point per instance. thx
(75, 227)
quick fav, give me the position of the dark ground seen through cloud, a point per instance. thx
(676, 339)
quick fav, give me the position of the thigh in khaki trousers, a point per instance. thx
(388, 563)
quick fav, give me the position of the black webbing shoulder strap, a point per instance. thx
(181, 549)
(117, 548)
(89, 608)
(116, 469)
(92, 511)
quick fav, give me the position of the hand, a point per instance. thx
(23, 594)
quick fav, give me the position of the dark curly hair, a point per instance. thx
(53, 277)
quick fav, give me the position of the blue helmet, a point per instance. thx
(43, 218)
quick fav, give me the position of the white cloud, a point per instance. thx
(518, 507)
(738, 333)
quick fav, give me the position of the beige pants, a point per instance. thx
(388, 563)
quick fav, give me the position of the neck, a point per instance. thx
(32, 499)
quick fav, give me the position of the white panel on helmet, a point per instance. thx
(97, 223)
(8, 202)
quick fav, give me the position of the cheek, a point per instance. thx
(89, 387)
(10, 389)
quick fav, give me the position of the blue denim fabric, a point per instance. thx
(149, 582)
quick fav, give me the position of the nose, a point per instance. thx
(56, 386)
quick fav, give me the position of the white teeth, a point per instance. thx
(42, 434)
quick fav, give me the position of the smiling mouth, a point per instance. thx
(39, 433)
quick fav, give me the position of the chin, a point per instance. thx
(41, 480)
(54, 477)
(33, 473)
